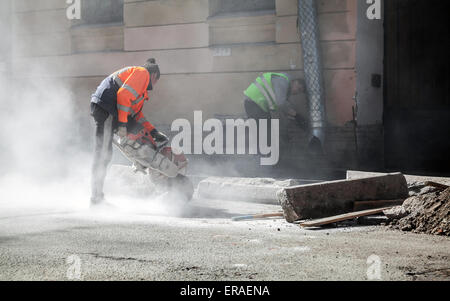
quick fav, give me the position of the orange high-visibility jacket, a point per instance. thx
(133, 83)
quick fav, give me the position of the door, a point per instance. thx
(417, 106)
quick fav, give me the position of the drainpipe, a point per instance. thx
(312, 62)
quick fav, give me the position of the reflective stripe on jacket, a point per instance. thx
(123, 94)
(262, 92)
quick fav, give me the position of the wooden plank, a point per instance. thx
(367, 205)
(257, 216)
(342, 217)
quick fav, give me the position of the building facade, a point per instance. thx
(209, 52)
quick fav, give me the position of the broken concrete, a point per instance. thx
(258, 190)
(337, 197)
(428, 213)
(410, 179)
(419, 188)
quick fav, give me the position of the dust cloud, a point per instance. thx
(43, 155)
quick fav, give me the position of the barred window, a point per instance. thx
(101, 11)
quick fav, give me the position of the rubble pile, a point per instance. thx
(425, 212)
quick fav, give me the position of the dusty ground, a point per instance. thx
(145, 242)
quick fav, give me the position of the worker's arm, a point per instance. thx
(157, 138)
(281, 89)
(132, 88)
(140, 118)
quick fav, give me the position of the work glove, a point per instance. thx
(159, 138)
(122, 133)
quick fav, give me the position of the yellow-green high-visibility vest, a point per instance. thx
(262, 93)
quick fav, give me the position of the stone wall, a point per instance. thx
(207, 61)
(5, 31)
(188, 44)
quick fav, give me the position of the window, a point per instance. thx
(101, 11)
(220, 7)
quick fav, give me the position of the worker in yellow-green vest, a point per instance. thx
(268, 98)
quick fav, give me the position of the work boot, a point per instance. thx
(102, 206)
(97, 199)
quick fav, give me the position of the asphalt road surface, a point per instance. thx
(154, 240)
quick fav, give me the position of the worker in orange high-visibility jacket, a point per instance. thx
(116, 107)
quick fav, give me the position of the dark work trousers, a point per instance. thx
(255, 112)
(105, 125)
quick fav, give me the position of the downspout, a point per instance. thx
(312, 65)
